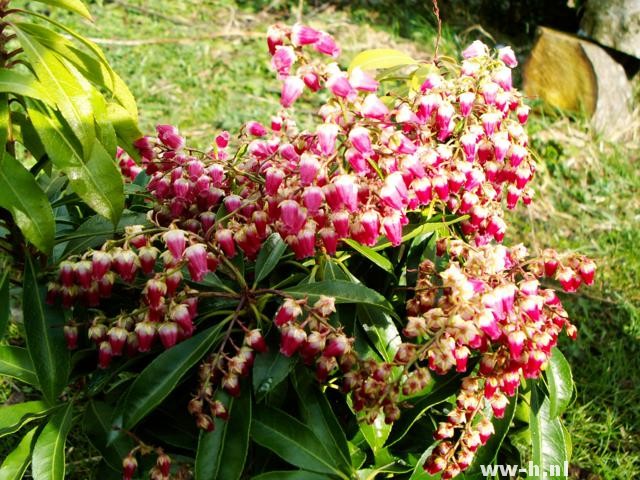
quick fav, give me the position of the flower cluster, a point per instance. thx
(454, 144)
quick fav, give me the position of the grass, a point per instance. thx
(588, 188)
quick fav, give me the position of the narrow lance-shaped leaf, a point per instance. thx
(270, 253)
(549, 445)
(161, 376)
(15, 362)
(48, 452)
(14, 417)
(97, 181)
(371, 255)
(76, 6)
(44, 333)
(22, 84)
(560, 383)
(63, 88)
(96, 424)
(17, 461)
(5, 307)
(343, 291)
(380, 58)
(222, 452)
(269, 369)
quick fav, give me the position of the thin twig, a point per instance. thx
(436, 12)
(151, 13)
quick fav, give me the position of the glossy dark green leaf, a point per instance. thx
(45, 339)
(549, 445)
(560, 382)
(379, 327)
(290, 475)
(76, 6)
(487, 453)
(437, 392)
(29, 206)
(371, 255)
(97, 428)
(5, 301)
(161, 376)
(95, 177)
(48, 461)
(17, 461)
(270, 254)
(22, 84)
(343, 291)
(319, 417)
(269, 369)
(15, 362)
(97, 229)
(63, 88)
(292, 440)
(222, 452)
(13, 417)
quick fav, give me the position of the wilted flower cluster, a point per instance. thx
(454, 144)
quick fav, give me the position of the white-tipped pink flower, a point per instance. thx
(340, 86)
(362, 81)
(361, 141)
(273, 179)
(373, 107)
(224, 238)
(508, 57)
(309, 167)
(292, 215)
(327, 134)
(347, 190)
(392, 225)
(476, 49)
(304, 35)
(282, 60)
(292, 88)
(327, 45)
(196, 256)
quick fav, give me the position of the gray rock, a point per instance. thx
(614, 23)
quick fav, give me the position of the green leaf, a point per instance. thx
(290, 475)
(269, 369)
(97, 181)
(412, 231)
(161, 376)
(318, 415)
(76, 6)
(270, 254)
(376, 435)
(97, 428)
(291, 440)
(5, 301)
(17, 461)
(45, 338)
(15, 362)
(63, 87)
(560, 382)
(96, 230)
(419, 473)
(488, 452)
(222, 452)
(380, 329)
(438, 391)
(371, 255)
(22, 84)
(13, 417)
(343, 291)
(549, 446)
(48, 452)
(380, 58)
(126, 127)
(29, 206)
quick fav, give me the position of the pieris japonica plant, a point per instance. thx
(326, 302)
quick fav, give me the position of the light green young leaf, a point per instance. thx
(371, 255)
(560, 383)
(14, 417)
(45, 339)
(380, 58)
(15, 362)
(549, 445)
(22, 84)
(222, 453)
(64, 89)
(48, 452)
(17, 461)
(76, 6)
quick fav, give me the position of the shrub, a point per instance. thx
(326, 300)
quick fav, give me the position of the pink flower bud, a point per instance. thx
(129, 465)
(359, 138)
(312, 81)
(428, 104)
(312, 198)
(309, 167)
(363, 81)
(100, 263)
(502, 76)
(444, 114)
(117, 337)
(329, 240)
(485, 429)
(256, 129)
(71, 336)
(170, 137)
(347, 191)
(433, 80)
(292, 88)
(146, 332)
(275, 38)
(82, 273)
(196, 256)
(224, 238)
(522, 113)
(587, 270)
(66, 276)
(340, 221)
(569, 279)
(476, 49)
(303, 35)
(468, 142)
(291, 340)
(340, 86)
(394, 193)
(441, 187)
(175, 241)
(287, 312)
(490, 122)
(327, 45)
(283, 59)
(168, 333)
(517, 154)
(516, 341)
(489, 90)
(434, 464)
(373, 107)
(466, 100)
(499, 404)
(125, 263)
(508, 57)
(255, 340)
(292, 215)
(392, 225)
(163, 463)
(104, 355)
(327, 134)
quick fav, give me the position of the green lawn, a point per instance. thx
(203, 66)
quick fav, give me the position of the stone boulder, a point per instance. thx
(613, 23)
